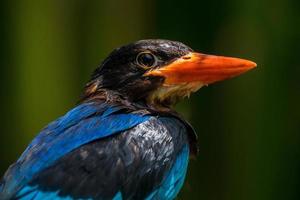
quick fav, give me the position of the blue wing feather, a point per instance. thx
(85, 123)
(173, 182)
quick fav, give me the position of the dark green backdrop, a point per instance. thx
(248, 127)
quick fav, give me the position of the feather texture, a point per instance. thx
(99, 151)
(81, 125)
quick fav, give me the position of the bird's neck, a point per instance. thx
(141, 106)
(96, 94)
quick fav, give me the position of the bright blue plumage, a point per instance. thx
(79, 126)
(31, 193)
(85, 123)
(175, 178)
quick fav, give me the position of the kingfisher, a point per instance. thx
(123, 140)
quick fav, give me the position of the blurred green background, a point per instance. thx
(248, 127)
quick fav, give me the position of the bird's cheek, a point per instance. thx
(170, 94)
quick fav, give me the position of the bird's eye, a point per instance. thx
(146, 59)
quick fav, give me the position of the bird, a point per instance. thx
(123, 139)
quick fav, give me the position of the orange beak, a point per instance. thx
(206, 69)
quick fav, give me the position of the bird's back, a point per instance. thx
(148, 160)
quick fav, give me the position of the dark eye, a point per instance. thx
(146, 59)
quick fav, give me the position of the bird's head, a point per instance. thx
(160, 72)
